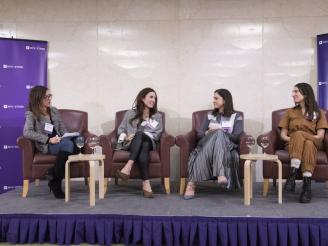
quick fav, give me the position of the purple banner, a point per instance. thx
(23, 64)
(322, 51)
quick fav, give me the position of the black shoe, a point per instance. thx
(50, 174)
(290, 182)
(55, 187)
(306, 194)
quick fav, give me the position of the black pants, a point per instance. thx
(139, 149)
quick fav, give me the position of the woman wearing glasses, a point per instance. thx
(44, 126)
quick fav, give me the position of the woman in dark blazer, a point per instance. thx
(44, 126)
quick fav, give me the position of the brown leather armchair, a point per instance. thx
(159, 159)
(188, 142)
(35, 164)
(277, 147)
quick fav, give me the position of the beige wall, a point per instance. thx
(101, 53)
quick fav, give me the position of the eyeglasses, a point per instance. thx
(47, 96)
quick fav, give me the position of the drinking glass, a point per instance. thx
(79, 141)
(250, 142)
(93, 142)
(264, 141)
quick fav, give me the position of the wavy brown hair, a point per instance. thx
(228, 102)
(37, 94)
(311, 105)
(139, 105)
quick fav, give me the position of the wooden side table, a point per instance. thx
(248, 179)
(93, 160)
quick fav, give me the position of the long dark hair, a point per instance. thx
(311, 106)
(139, 105)
(37, 94)
(228, 103)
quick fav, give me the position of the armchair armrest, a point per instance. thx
(27, 147)
(107, 142)
(186, 143)
(166, 142)
(243, 148)
(273, 141)
(325, 142)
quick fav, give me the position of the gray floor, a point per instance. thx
(127, 199)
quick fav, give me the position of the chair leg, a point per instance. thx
(37, 182)
(182, 185)
(106, 182)
(265, 187)
(274, 181)
(86, 181)
(167, 186)
(25, 187)
(116, 181)
(326, 184)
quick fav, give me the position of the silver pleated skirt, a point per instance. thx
(215, 155)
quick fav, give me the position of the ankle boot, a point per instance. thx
(306, 194)
(59, 168)
(55, 187)
(290, 182)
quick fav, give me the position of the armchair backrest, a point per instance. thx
(120, 115)
(199, 116)
(74, 120)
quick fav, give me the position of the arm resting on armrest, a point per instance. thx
(27, 147)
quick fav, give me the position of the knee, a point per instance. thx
(308, 145)
(146, 146)
(67, 145)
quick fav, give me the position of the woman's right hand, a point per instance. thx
(130, 137)
(54, 140)
(210, 130)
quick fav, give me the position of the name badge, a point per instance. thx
(226, 125)
(48, 128)
(154, 123)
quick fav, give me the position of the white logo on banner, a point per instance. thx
(6, 66)
(323, 42)
(323, 83)
(10, 147)
(29, 87)
(12, 106)
(6, 187)
(27, 47)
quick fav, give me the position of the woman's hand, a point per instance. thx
(130, 137)
(210, 130)
(284, 135)
(54, 140)
(320, 134)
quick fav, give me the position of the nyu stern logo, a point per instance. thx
(323, 83)
(321, 42)
(7, 66)
(6, 106)
(27, 47)
(8, 147)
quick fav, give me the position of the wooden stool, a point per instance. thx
(248, 177)
(93, 162)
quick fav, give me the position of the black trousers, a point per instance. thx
(139, 149)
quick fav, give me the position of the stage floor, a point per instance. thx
(126, 199)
